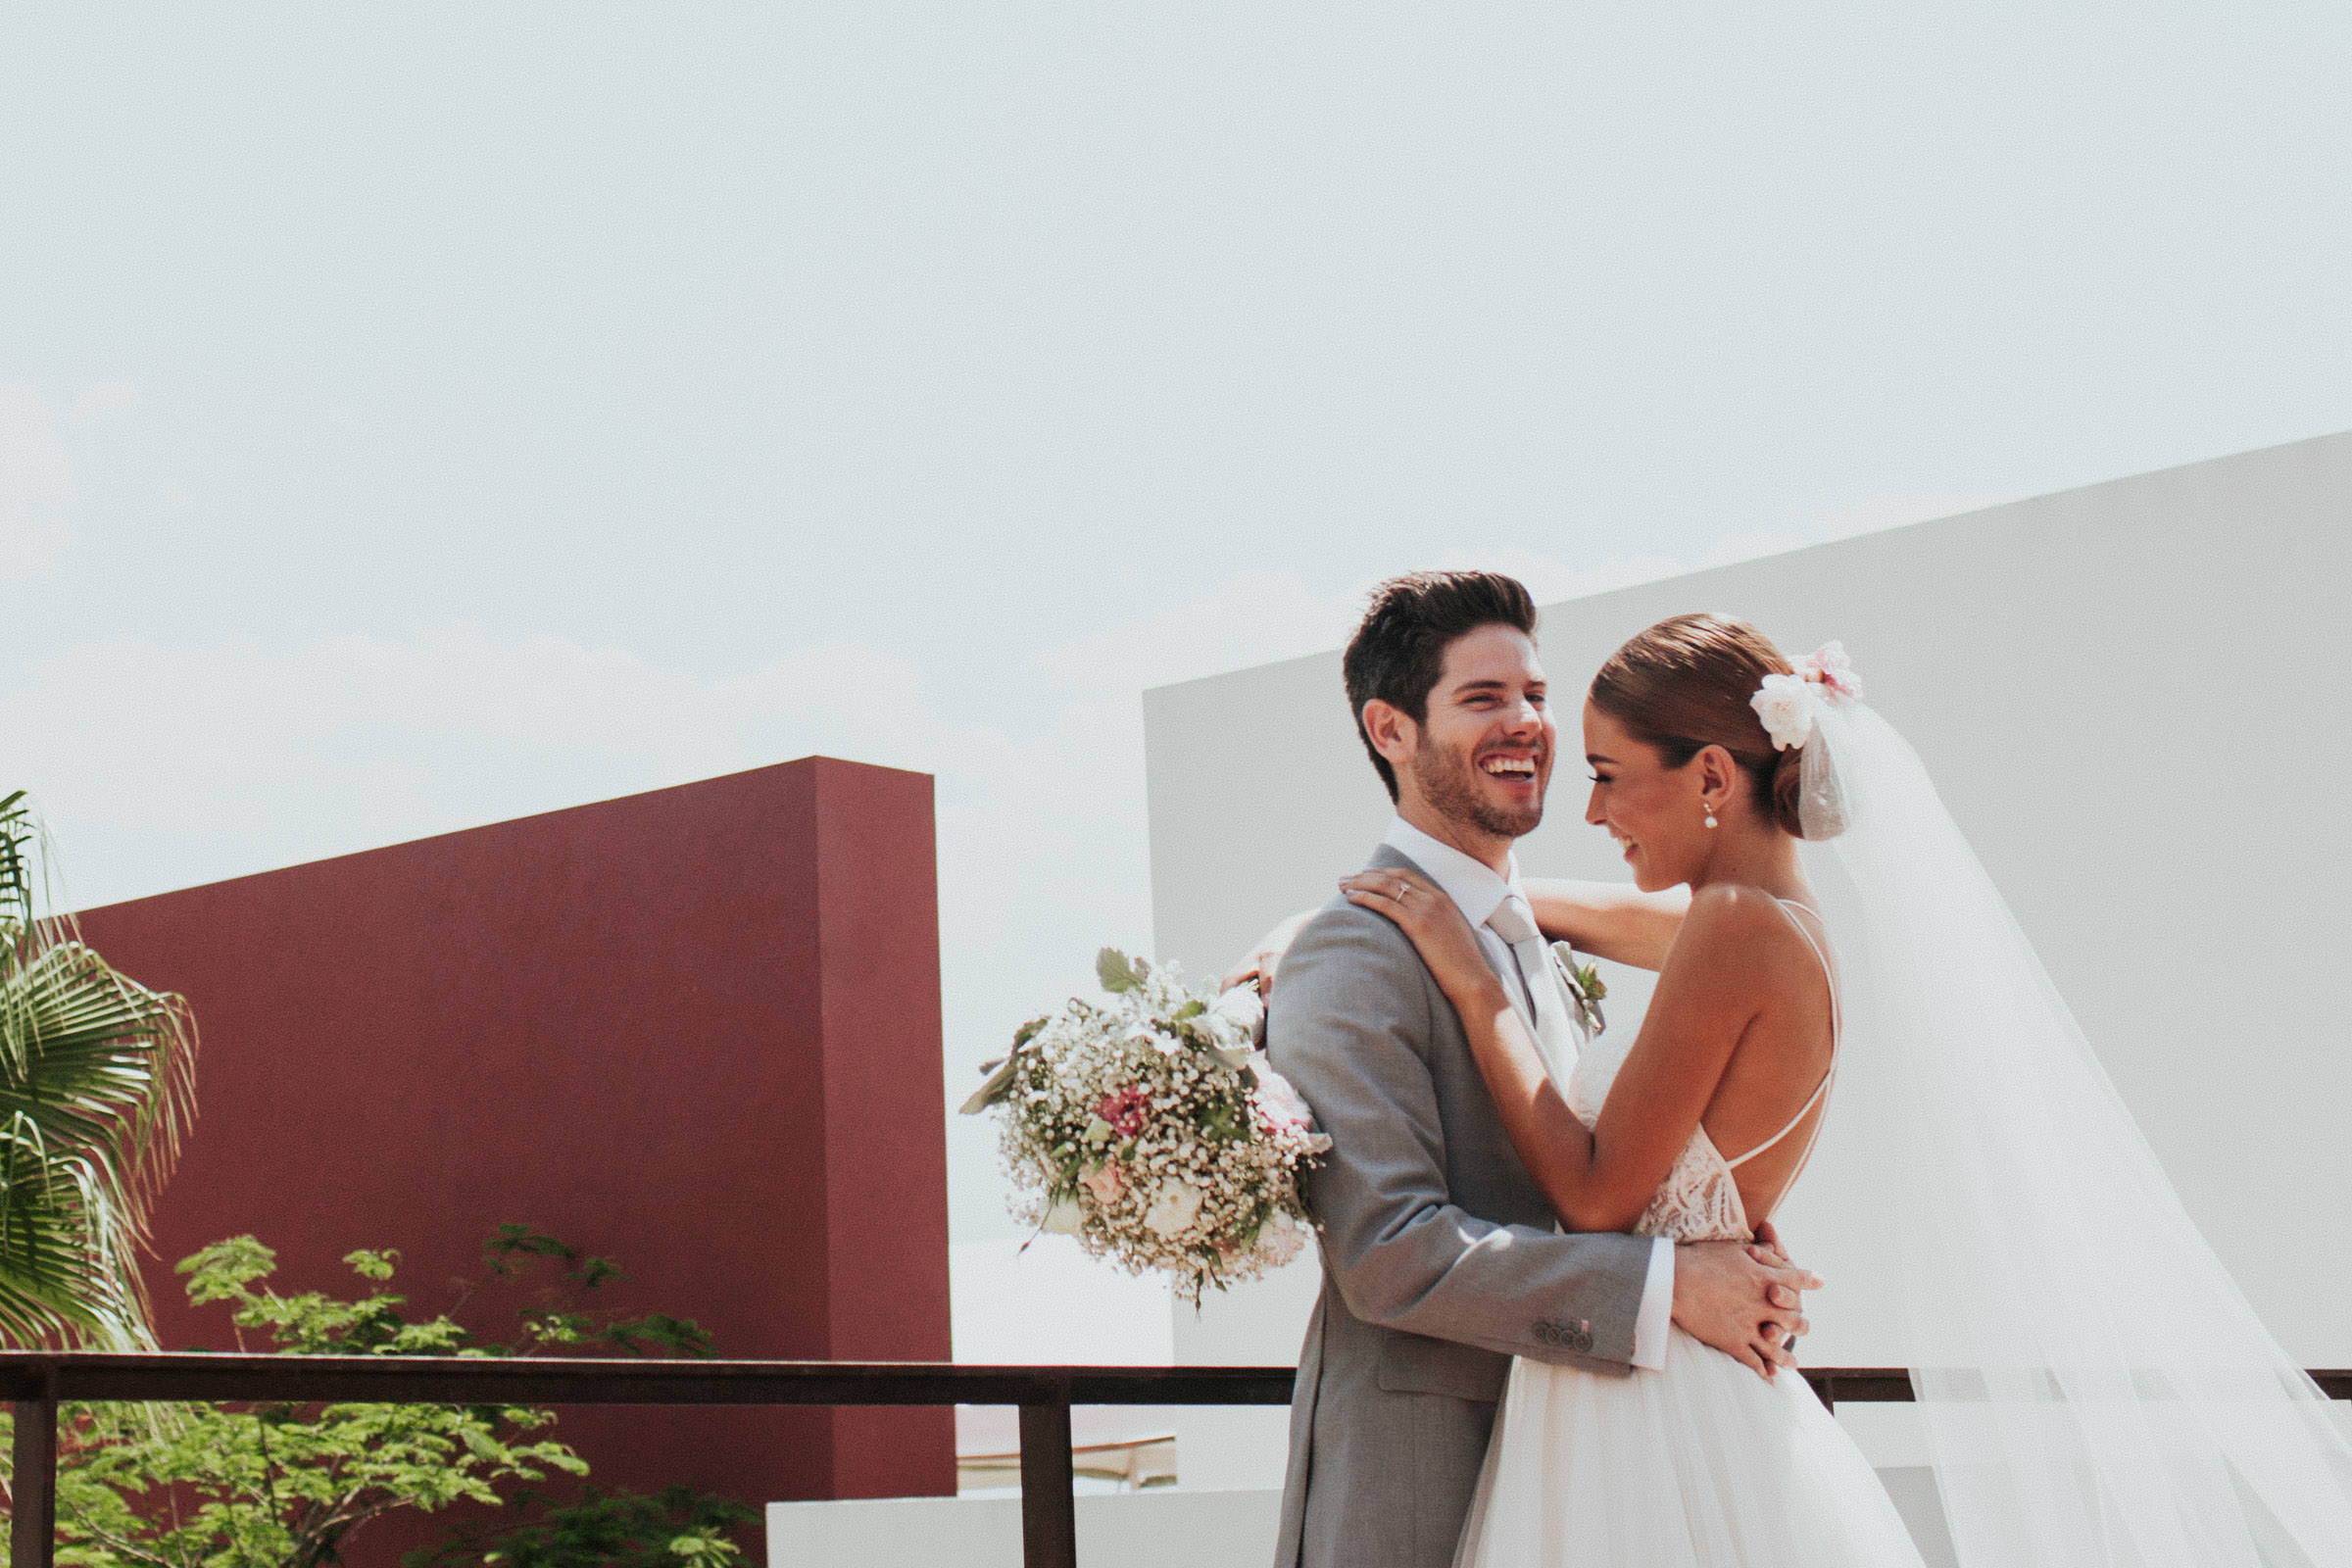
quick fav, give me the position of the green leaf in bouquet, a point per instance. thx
(1003, 1071)
(1223, 1123)
(995, 1087)
(1118, 973)
(1191, 1010)
(1098, 1130)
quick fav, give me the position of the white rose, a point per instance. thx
(1240, 1013)
(1064, 1218)
(1175, 1204)
(1786, 704)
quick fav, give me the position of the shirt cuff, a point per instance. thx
(1657, 1317)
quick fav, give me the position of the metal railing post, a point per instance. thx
(1049, 1509)
(33, 1488)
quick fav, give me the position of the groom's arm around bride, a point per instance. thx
(1428, 1228)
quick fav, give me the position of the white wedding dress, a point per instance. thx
(1701, 1464)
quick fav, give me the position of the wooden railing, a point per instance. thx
(37, 1382)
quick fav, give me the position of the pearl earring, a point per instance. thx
(1710, 811)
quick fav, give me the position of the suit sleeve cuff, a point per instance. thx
(1657, 1317)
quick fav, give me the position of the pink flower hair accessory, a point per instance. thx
(1827, 665)
(1785, 705)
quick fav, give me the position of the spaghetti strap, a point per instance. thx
(1821, 1089)
(1803, 1111)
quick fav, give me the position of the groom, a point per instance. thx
(1440, 1258)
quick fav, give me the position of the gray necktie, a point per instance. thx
(1514, 922)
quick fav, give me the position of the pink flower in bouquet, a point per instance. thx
(1283, 1239)
(1274, 1096)
(1105, 1181)
(1124, 1110)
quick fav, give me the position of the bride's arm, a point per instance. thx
(1265, 957)
(1603, 1179)
(1609, 919)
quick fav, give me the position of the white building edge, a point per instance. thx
(2134, 698)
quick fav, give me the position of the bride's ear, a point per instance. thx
(1718, 775)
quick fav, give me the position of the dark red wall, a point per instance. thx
(697, 1031)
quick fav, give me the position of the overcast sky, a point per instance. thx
(415, 415)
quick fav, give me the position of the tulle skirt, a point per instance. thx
(1702, 1464)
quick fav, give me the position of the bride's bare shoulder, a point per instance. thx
(1732, 926)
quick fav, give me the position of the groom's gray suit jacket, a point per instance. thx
(1440, 1260)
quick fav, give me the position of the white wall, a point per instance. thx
(1133, 1529)
(1258, 1324)
(2134, 698)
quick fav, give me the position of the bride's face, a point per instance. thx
(1651, 809)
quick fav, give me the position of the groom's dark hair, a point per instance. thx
(1398, 650)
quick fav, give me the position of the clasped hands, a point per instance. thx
(1745, 1298)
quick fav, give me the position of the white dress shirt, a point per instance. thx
(1476, 890)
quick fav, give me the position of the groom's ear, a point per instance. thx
(1391, 731)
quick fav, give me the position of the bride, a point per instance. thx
(1819, 925)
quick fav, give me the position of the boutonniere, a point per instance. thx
(1586, 990)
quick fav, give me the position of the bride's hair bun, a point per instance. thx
(1788, 790)
(1687, 683)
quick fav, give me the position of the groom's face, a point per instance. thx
(1483, 756)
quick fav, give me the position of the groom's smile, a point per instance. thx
(1518, 769)
(1510, 766)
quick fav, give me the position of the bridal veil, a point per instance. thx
(2093, 1387)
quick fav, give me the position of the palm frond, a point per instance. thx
(63, 1274)
(96, 1087)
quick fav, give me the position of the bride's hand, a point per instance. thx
(1257, 969)
(1422, 912)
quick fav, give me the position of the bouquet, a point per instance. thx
(1151, 1131)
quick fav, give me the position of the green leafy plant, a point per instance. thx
(95, 1086)
(556, 1317)
(287, 1486)
(675, 1528)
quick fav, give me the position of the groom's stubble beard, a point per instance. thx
(1449, 783)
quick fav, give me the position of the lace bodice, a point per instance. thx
(1699, 1199)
